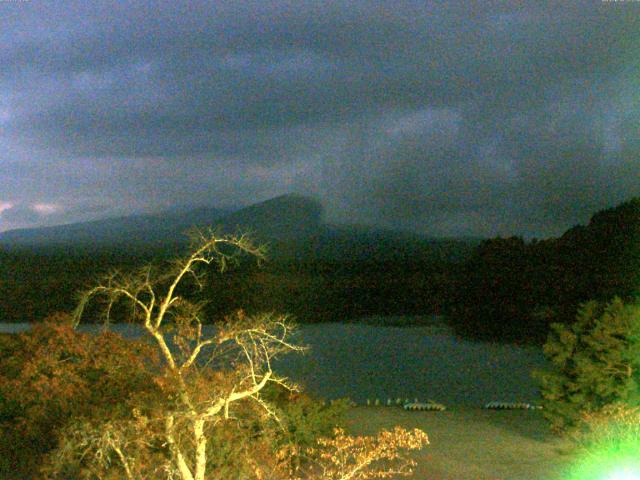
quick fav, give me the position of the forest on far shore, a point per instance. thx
(503, 289)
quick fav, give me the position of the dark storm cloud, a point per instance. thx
(443, 117)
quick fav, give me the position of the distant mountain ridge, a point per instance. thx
(134, 229)
(283, 217)
(280, 218)
(292, 225)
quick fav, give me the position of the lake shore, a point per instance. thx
(474, 444)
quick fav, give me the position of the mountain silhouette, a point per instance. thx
(283, 217)
(291, 225)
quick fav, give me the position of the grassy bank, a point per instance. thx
(475, 444)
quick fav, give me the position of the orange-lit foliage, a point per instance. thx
(90, 398)
(345, 457)
(99, 407)
(53, 373)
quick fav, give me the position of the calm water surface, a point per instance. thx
(364, 361)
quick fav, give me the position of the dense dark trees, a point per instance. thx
(510, 289)
(324, 291)
(604, 256)
(35, 283)
(500, 290)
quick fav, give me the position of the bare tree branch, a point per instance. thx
(153, 296)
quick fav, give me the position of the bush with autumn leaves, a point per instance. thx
(60, 387)
(53, 376)
(176, 403)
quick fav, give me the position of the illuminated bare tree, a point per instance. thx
(198, 396)
(206, 382)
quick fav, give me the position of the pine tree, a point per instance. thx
(595, 362)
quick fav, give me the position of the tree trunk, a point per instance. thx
(201, 448)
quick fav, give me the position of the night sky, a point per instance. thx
(445, 118)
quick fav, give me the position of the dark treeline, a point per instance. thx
(409, 280)
(504, 289)
(324, 291)
(510, 289)
(37, 283)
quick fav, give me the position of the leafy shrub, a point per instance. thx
(608, 445)
(595, 363)
(254, 442)
(302, 418)
(345, 457)
(51, 375)
(611, 425)
(60, 389)
(76, 398)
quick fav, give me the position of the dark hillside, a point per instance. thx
(510, 289)
(316, 271)
(147, 231)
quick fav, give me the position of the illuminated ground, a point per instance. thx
(475, 444)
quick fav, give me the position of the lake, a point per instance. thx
(363, 361)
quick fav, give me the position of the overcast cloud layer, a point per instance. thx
(446, 118)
